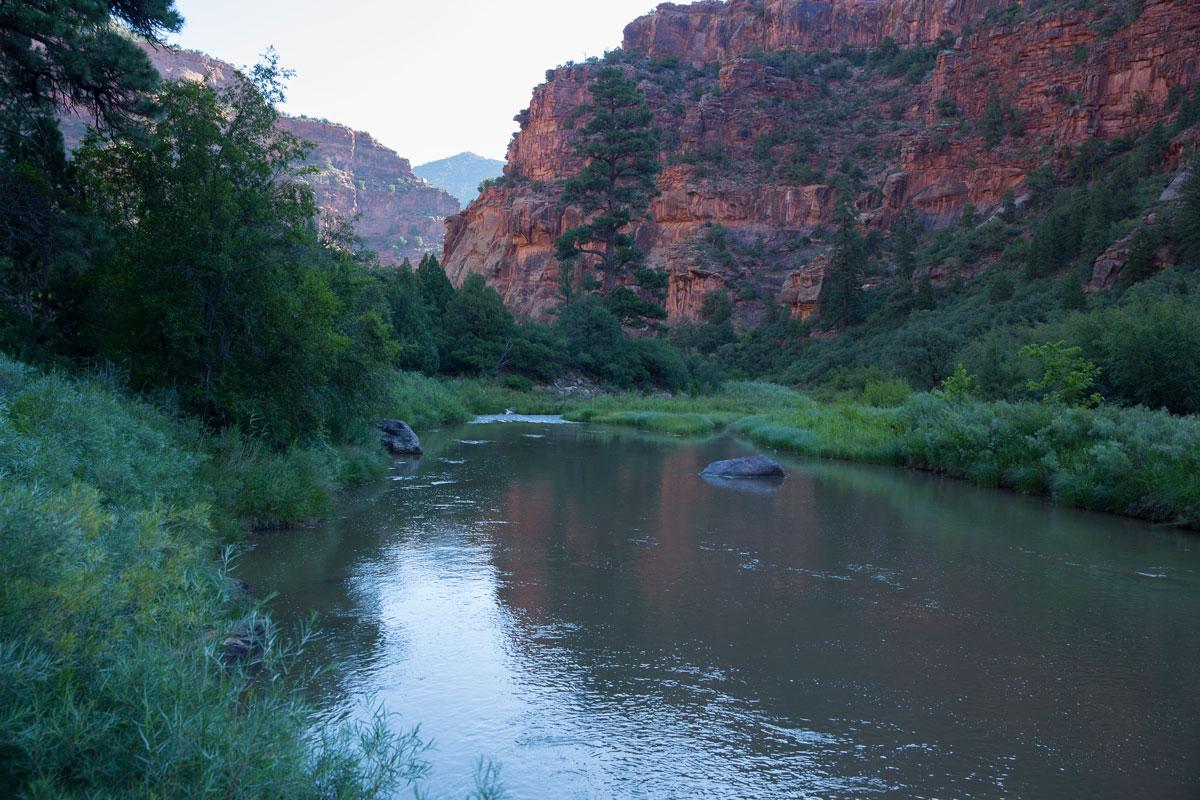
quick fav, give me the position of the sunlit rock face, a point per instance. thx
(357, 179)
(746, 203)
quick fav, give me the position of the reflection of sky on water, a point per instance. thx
(587, 610)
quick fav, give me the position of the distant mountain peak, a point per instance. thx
(460, 174)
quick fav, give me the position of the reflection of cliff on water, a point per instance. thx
(579, 602)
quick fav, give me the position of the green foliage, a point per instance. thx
(840, 299)
(1139, 262)
(1186, 224)
(1147, 348)
(911, 63)
(1065, 375)
(946, 107)
(113, 614)
(959, 386)
(416, 345)
(885, 392)
(478, 328)
(54, 53)
(218, 285)
(619, 150)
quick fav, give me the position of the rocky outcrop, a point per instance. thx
(753, 147)
(357, 179)
(1060, 81)
(395, 213)
(709, 31)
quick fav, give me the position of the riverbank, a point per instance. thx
(1129, 461)
(131, 664)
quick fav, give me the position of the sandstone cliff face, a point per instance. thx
(359, 180)
(1063, 81)
(713, 31)
(756, 151)
(394, 212)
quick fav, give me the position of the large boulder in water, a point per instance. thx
(748, 467)
(398, 438)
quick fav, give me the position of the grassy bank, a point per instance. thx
(130, 664)
(1129, 461)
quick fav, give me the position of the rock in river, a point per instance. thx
(398, 438)
(748, 467)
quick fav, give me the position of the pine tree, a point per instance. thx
(841, 300)
(57, 55)
(924, 300)
(618, 147)
(416, 346)
(436, 289)
(1139, 262)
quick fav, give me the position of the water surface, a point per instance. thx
(578, 604)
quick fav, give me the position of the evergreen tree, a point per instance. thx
(992, 122)
(1139, 262)
(436, 289)
(618, 147)
(1187, 219)
(924, 300)
(841, 300)
(479, 330)
(904, 243)
(57, 55)
(416, 346)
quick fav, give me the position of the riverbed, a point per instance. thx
(578, 604)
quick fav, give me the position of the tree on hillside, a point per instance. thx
(618, 147)
(57, 55)
(840, 300)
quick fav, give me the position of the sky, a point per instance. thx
(428, 79)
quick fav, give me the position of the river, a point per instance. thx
(577, 604)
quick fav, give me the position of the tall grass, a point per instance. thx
(1129, 461)
(115, 674)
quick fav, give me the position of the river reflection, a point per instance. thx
(577, 603)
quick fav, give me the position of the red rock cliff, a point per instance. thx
(714, 31)
(395, 213)
(754, 149)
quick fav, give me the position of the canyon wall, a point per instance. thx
(757, 149)
(357, 179)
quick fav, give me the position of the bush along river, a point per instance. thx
(580, 605)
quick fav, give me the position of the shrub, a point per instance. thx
(113, 680)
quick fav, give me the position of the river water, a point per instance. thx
(577, 604)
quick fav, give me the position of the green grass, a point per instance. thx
(115, 603)
(1129, 461)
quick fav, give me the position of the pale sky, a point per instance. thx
(428, 79)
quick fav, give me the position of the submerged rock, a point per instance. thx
(748, 467)
(398, 438)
